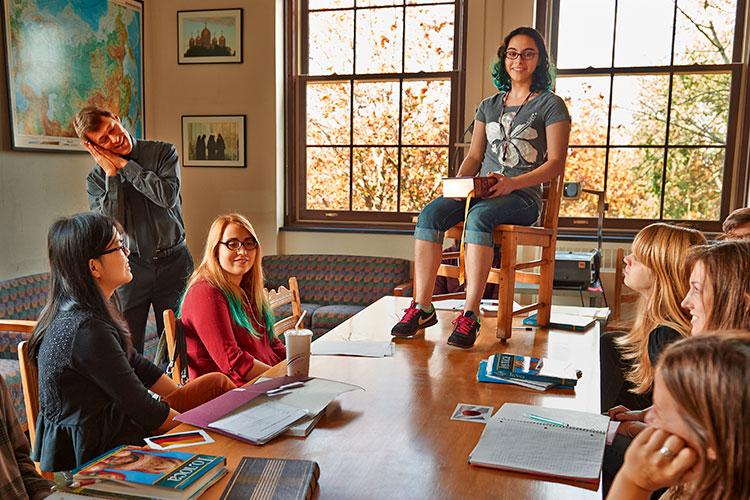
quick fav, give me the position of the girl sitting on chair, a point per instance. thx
(521, 140)
(657, 270)
(93, 385)
(226, 319)
(698, 440)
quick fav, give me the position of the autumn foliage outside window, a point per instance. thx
(375, 85)
(650, 86)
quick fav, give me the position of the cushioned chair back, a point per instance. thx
(337, 279)
(24, 297)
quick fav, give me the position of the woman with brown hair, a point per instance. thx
(719, 295)
(698, 440)
(656, 269)
(227, 321)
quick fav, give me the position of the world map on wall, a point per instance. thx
(66, 54)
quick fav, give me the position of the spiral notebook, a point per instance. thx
(522, 438)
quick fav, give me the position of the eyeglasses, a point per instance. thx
(526, 55)
(234, 244)
(123, 246)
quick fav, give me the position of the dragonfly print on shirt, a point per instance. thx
(519, 152)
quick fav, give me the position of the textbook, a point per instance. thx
(485, 375)
(557, 372)
(565, 444)
(141, 472)
(564, 322)
(272, 479)
(460, 187)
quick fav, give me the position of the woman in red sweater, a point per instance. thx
(227, 322)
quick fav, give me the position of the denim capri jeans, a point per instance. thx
(484, 214)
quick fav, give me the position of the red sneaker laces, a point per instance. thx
(464, 324)
(409, 314)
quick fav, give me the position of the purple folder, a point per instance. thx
(208, 412)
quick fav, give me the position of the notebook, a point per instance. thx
(564, 322)
(513, 441)
(272, 479)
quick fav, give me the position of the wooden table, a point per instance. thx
(396, 439)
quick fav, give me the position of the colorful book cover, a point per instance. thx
(531, 368)
(175, 470)
(484, 376)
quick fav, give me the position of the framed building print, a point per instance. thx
(213, 141)
(209, 36)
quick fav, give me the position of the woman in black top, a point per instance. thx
(93, 386)
(656, 269)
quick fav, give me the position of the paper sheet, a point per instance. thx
(259, 420)
(364, 348)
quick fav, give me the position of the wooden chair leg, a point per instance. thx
(546, 276)
(506, 288)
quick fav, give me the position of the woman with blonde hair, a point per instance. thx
(698, 440)
(227, 322)
(656, 269)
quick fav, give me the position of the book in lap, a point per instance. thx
(140, 472)
(461, 187)
(565, 444)
(272, 479)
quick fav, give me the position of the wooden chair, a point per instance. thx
(621, 297)
(509, 237)
(30, 384)
(283, 296)
(176, 349)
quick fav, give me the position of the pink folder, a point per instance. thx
(202, 415)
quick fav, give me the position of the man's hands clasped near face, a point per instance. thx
(108, 144)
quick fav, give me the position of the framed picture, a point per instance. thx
(213, 141)
(209, 36)
(62, 56)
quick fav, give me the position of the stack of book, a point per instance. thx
(132, 471)
(526, 371)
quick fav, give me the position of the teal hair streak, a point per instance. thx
(241, 318)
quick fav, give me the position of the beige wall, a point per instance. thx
(35, 189)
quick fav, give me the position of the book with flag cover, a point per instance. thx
(273, 479)
(509, 365)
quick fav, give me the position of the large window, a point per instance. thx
(653, 88)
(375, 86)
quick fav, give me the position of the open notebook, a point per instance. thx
(511, 440)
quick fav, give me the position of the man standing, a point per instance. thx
(138, 183)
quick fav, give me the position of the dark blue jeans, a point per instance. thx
(443, 213)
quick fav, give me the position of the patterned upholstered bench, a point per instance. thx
(334, 288)
(24, 298)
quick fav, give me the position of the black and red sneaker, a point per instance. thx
(414, 319)
(465, 331)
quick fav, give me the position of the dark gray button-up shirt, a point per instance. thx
(144, 197)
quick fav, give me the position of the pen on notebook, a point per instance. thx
(284, 387)
(546, 420)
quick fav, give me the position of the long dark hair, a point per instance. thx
(544, 73)
(71, 243)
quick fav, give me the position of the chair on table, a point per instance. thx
(281, 297)
(509, 237)
(176, 348)
(30, 383)
(621, 297)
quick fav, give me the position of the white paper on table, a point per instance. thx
(259, 421)
(590, 312)
(365, 348)
(314, 395)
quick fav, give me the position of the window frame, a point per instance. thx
(735, 171)
(296, 214)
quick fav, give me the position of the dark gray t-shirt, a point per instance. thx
(522, 148)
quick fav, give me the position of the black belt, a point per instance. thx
(163, 253)
(167, 252)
